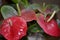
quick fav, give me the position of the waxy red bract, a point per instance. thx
(28, 15)
(14, 28)
(51, 28)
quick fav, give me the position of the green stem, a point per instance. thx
(27, 3)
(18, 8)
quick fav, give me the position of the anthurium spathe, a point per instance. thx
(51, 28)
(14, 28)
(28, 15)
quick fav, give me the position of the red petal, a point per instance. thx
(50, 28)
(14, 28)
(28, 15)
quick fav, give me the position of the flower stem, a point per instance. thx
(18, 8)
(27, 3)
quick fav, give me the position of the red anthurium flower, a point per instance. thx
(28, 15)
(50, 28)
(14, 28)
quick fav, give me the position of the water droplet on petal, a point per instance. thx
(19, 33)
(21, 29)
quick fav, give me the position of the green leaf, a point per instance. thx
(33, 6)
(54, 7)
(34, 28)
(8, 11)
(44, 7)
(16, 1)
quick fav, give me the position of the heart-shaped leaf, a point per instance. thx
(8, 11)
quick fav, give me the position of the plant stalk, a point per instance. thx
(18, 8)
